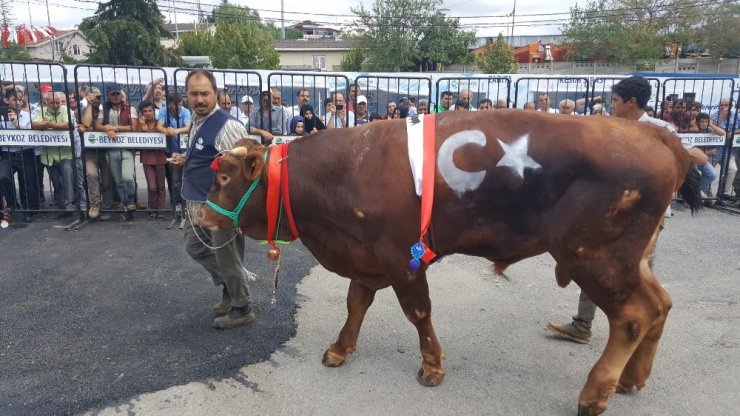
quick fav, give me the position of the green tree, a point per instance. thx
(242, 46)
(719, 32)
(497, 58)
(195, 43)
(14, 52)
(630, 31)
(443, 42)
(127, 32)
(231, 13)
(352, 60)
(401, 34)
(6, 14)
(241, 40)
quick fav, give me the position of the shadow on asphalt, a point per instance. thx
(93, 317)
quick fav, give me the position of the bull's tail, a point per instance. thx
(690, 190)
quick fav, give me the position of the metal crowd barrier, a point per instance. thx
(38, 150)
(703, 95)
(601, 93)
(29, 185)
(553, 89)
(112, 173)
(384, 93)
(497, 89)
(322, 88)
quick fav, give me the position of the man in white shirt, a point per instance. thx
(629, 98)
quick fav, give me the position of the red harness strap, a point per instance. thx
(277, 180)
(420, 252)
(427, 187)
(286, 193)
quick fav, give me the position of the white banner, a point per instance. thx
(275, 139)
(702, 139)
(53, 138)
(96, 139)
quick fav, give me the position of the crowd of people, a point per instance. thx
(110, 173)
(109, 179)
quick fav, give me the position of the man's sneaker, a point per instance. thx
(571, 331)
(94, 212)
(70, 208)
(131, 207)
(222, 307)
(237, 317)
(105, 216)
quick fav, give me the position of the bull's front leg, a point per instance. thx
(359, 299)
(412, 291)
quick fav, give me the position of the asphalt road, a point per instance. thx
(114, 320)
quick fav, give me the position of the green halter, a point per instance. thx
(234, 215)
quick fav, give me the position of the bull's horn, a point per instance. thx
(240, 152)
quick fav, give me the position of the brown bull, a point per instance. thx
(509, 185)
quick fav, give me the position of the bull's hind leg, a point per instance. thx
(640, 364)
(359, 298)
(628, 325)
(413, 294)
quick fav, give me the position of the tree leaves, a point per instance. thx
(634, 31)
(497, 58)
(397, 35)
(127, 32)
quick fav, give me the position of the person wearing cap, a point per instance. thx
(247, 108)
(118, 116)
(96, 165)
(361, 116)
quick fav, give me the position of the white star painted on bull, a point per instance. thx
(516, 157)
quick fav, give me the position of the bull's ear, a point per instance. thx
(254, 162)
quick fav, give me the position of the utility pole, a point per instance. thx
(513, 17)
(177, 32)
(53, 41)
(282, 16)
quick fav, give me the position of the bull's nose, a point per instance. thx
(204, 218)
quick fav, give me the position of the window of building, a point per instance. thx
(319, 62)
(58, 46)
(76, 50)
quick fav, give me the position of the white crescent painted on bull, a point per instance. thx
(459, 180)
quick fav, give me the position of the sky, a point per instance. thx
(486, 17)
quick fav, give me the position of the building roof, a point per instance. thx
(58, 35)
(517, 41)
(312, 44)
(308, 24)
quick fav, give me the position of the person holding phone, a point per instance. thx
(340, 116)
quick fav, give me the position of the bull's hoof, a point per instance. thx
(590, 410)
(430, 378)
(332, 359)
(626, 385)
(624, 389)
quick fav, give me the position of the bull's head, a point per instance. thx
(234, 174)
